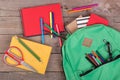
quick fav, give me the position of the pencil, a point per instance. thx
(42, 30)
(91, 59)
(58, 31)
(47, 26)
(87, 6)
(51, 24)
(73, 11)
(30, 50)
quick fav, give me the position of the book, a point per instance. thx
(43, 51)
(96, 19)
(31, 18)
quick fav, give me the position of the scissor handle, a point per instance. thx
(13, 56)
(4, 60)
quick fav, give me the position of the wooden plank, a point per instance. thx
(32, 76)
(17, 4)
(5, 42)
(55, 64)
(9, 13)
(10, 25)
(4, 75)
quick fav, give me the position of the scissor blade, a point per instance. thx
(28, 66)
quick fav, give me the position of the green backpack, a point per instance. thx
(92, 53)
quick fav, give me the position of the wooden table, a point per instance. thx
(10, 24)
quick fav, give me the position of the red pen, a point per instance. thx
(58, 31)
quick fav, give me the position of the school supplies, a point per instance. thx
(60, 41)
(27, 48)
(42, 30)
(17, 59)
(89, 58)
(51, 22)
(31, 16)
(43, 51)
(82, 22)
(73, 11)
(95, 54)
(55, 33)
(96, 19)
(85, 21)
(101, 57)
(94, 58)
(71, 27)
(47, 26)
(83, 7)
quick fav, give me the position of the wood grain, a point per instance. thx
(17, 4)
(32, 76)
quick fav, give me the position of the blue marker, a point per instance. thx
(42, 30)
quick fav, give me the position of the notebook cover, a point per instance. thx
(41, 50)
(31, 18)
(95, 19)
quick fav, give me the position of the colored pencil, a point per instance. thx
(30, 50)
(83, 7)
(91, 59)
(58, 31)
(51, 23)
(47, 26)
(73, 11)
(42, 30)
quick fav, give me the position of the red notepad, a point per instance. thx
(95, 19)
(31, 18)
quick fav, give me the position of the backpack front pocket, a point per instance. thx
(107, 71)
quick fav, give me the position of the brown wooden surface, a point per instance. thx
(10, 24)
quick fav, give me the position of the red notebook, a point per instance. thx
(31, 18)
(95, 19)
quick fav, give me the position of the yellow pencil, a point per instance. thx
(51, 24)
(72, 11)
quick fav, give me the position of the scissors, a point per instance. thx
(18, 59)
